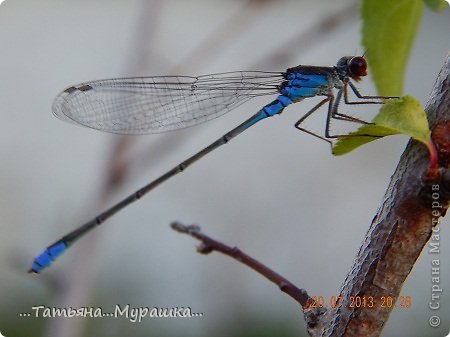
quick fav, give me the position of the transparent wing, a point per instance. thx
(140, 105)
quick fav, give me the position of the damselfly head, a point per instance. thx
(352, 66)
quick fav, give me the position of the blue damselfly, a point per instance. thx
(142, 105)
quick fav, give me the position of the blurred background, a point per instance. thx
(275, 192)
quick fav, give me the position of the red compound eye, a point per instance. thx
(357, 67)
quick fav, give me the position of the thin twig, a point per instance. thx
(209, 245)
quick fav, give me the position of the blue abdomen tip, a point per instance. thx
(49, 255)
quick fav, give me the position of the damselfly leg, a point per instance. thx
(333, 111)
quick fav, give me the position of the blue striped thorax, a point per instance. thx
(308, 81)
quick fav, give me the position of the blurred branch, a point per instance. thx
(222, 36)
(314, 35)
(209, 245)
(225, 34)
(74, 289)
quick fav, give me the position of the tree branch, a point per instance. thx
(408, 215)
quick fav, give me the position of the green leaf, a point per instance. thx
(388, 30)
(436, 5)
(397, 116)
